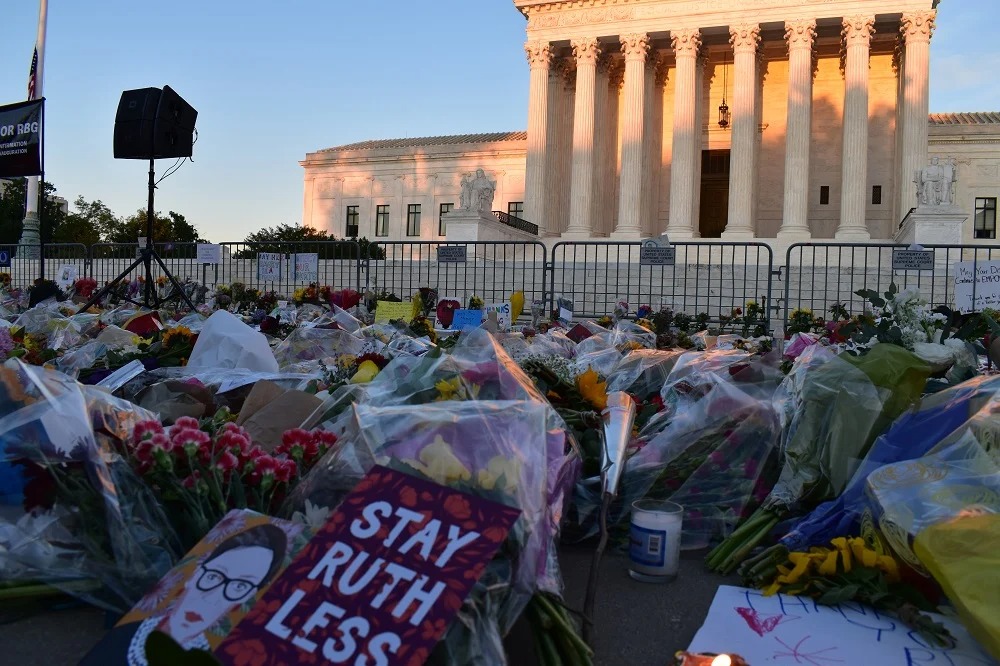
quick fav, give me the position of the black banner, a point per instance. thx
(21, 139)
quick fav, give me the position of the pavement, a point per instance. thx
(638, 624)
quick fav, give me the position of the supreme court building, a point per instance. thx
(788, 120)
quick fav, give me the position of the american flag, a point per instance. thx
(33, 75)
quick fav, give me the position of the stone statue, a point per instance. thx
(936, 183)
(465, 198)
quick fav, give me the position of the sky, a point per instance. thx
(273, 81)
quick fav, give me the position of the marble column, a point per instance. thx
(699, 125)
(743, 168)
(687, 132)
(536, 167)
(635, 47)
(582, 181)
(916, 30)
(857, 32)
(800, 36)
(602, 153)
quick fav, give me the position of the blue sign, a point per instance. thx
(4, 258)
(466, 319)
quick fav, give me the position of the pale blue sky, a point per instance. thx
(275, 80)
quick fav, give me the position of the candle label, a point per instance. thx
(647, 547)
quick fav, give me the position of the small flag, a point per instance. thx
(33, 75)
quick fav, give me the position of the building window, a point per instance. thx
(413, 220)
(352, 222)
(986, 217)
(824, 195)
(445, 208)
(876, 195)
(516, 209)
(382, 221)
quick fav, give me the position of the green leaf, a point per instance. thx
(838, 595)
(877, 302)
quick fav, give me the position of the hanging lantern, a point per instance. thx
(723, 114)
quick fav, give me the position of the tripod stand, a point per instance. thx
(147, 255)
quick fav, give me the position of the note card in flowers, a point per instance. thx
(784, 629)
(380, 582)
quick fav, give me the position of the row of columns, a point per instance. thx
(800, 35)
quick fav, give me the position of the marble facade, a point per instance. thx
(829, 120)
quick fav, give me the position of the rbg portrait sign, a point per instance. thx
(21, 139)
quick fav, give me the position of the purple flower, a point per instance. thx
(6, 343)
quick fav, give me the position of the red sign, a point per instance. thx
(380, 583)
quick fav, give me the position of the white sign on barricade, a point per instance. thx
(503, 314)
(209, 253)
(269, 266)
(981, 278)
(305, 267)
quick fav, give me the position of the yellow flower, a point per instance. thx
(801, 562)
(418, 306)
(500, 468)
(829, 564)
(840, 543)
(593, 389)
(366, 372)
(516, 305)
(866, 556)
(448, 388)
(888, 565)
(347, 360)
(176, 332)
(439, 463)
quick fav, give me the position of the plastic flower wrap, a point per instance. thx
(314, 344)
(95, 530)
(506, 451)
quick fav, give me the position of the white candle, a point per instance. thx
(655, 540)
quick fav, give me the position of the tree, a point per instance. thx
(12, 211)
(88, 224)
(287, 239)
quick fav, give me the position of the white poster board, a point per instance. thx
(209, 253)
(796, 630)
(66, 276)
(503, 314)
(269, 266)
(983, 277)
(305, 267)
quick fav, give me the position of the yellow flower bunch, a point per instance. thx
(845, 554)
(593, 390)
(173, 334)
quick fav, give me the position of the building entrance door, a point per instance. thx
(714, 193)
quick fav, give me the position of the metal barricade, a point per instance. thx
(697, 277)
(109, 260)
(489, 270)
(23, 265)
(273, 266)
(819, 275)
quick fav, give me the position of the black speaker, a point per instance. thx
(134, 123)
(154, 124)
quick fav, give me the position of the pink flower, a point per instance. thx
(162, 442)
(286, 469)
(227, 462)
(234, 442)
(191, 480)
(187, 422)
(190, 439)
(146, 429)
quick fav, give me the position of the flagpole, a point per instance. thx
(31, 227)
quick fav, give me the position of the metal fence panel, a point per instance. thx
(109, 260)
(819, 275)
(25, 264)
(490, 270)
(338, 264)
(705, 277)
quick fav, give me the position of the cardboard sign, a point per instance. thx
(305, 267)
(209, 253)
(389, 310)
(380, 582)
(565, 315)
(981, 277)
(269, 266)
(466, 319)
(452, 254)
(796, 630)
(503, 314)
(211, 588)
(67, 276)
(913, 260)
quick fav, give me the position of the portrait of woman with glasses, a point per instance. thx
(232, 574)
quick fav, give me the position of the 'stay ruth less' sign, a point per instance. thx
(380, 583)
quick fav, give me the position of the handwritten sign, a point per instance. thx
(466, 319)
(209, 253)
(796, 630)
(385, 311)
(305, 267)
(269, 266)
(451, 254)
(503, 314)
(913, 260)
(380, 582)
(977, 285)
(650, 255)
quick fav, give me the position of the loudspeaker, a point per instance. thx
(134, 123)
(154, 124)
